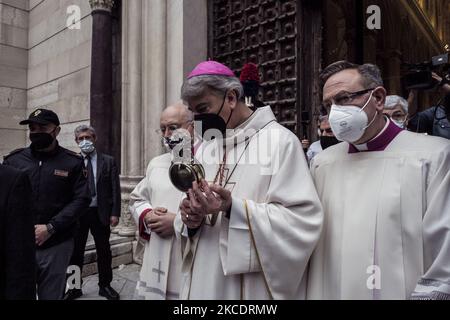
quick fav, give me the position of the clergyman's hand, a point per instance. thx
(191, 220)
(207, 199)
(162, 223)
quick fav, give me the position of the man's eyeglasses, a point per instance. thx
(171, 128)
(326, 130)
(344, 98)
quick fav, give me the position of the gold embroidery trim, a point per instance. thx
(256, 249)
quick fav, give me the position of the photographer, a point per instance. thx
(433, 121)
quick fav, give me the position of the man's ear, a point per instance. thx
(57, 131)
(232, 99)
(380, 96)
(190, 128)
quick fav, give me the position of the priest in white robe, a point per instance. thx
(251, 225)
(386, 199)
(154, 203)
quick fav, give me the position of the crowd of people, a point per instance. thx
(364, 214)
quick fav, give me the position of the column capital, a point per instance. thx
(105, 5)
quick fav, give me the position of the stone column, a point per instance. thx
(154, 78)
(132, 123)
(158, 48)
(101, 73)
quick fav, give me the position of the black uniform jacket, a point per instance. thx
(60, 193)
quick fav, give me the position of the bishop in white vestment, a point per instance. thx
(262, 249)
(250, 226)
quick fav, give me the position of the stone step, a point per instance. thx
(121, 252)
(90, 256)
(124, 259)
(114, 239)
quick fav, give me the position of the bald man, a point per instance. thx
(154, 203)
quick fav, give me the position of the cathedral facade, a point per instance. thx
(117, 64)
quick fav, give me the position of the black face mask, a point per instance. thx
(212, 121)
(171, 144)
(327, 142)
(41, 140)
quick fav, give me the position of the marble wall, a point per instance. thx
(59, 62)
(13, 73)
(43, 62)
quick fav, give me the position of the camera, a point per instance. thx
(419, 76)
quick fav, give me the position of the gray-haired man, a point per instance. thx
(396, 108)
(104, 210)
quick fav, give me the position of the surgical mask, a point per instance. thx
(86, 146)
(212, 121)
(400, 124)
(41, 140)
(349, 122)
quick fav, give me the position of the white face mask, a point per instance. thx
(400, 124)
(86, 146)
(349, 122)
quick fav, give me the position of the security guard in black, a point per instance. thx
(58, 180)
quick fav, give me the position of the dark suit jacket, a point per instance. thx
(108, 188)
(17, 244)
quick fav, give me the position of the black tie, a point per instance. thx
(91, 177)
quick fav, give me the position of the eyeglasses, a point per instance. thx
(326, 130)
(344, 98)
(396, 117)
(171, 128)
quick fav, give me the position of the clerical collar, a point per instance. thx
(380, 142)
(258, 120)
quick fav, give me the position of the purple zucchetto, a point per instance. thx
(211, 68)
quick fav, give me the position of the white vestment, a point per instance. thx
(314, 150)
(262, 250)
(161, 267)
(386, 232)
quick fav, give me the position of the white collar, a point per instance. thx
(364, 147)
(258, 120)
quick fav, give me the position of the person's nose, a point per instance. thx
(167, 133)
